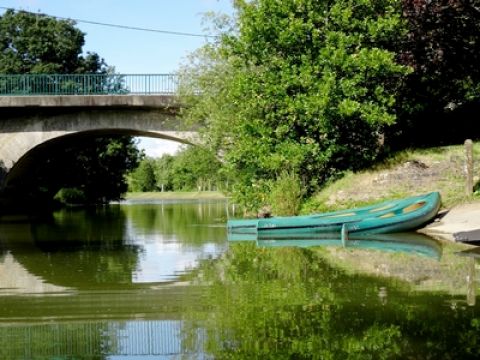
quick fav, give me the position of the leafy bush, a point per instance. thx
(71, 196)
(286, 195)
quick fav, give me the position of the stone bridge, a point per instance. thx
(27, 123)
(36, 111)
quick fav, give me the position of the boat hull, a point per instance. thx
(387, 217)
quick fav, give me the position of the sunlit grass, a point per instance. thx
(175, 195)
(407, 173)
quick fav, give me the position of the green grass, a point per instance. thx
(405, 174)
(175, 195)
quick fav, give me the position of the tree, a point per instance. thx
(163, 171)
(194, 168)
(302, 86)
(143, 177)
(94, 166)
(443, 49)
(39, 44)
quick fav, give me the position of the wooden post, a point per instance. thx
(469, 167)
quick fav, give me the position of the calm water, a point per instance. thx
(160, 281)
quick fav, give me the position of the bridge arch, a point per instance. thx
(34, 148)
(24, 130)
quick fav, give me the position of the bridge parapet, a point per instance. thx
(87, 84)
(89, 101)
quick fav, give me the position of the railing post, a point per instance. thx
(469, 167)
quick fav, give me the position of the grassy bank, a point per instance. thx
(175, 195)
(408, 173)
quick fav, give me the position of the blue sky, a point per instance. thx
(132, 51)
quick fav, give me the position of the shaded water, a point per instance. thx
(160, 281)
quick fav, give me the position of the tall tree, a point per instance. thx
(442, 47)
(143, 177)
(305, 86)
(36, 43)
(193, 168)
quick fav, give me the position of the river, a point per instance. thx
(161, 281)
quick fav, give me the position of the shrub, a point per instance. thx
(71, 196)
(286, 195)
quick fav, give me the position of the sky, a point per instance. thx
(130, 51)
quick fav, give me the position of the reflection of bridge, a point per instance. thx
(37, 109)
(97, 339)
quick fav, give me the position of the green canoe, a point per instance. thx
(387, 217)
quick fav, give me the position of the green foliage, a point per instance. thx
(443, 49)
(95, 166)
(286, 195)
(192, 168)
(142, 179)
(36, 43)
(303, 86)
(70, 196)
(163, 171)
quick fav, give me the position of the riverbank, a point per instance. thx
(411, 173)
(175, 195)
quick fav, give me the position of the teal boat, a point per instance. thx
(387, 217)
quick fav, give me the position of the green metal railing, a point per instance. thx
(87, 84)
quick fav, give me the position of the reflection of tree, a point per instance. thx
(289, 303)
(190, 223)
(79, 248)
(90, 248)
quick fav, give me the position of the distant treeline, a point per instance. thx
(193, 168)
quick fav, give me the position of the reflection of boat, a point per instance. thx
(242, 226)
(412, 243)
(233, 236)
(387, 217)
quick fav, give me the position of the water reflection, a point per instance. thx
(297, 303)
(410, 243)
(14, 279)
(116, 246)
(472, 255)
(158, 281)
(103, 282)
(150, 339)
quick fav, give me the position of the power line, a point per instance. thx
(118, 26)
